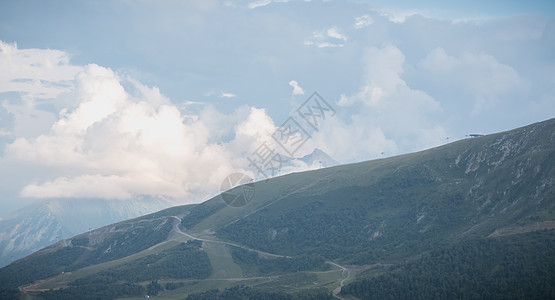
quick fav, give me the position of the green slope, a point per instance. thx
(310, 233)
(388, 209)
(106, 244)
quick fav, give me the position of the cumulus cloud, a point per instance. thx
(118, 142)
(393, 118)
(103, 127)
(250, 133)
(297, 89)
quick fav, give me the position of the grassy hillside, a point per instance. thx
(308, 234)
(388, 209)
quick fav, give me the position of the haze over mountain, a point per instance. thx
(47, 221)
(457, 221)
(320, 158)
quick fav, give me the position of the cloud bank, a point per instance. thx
(117, 142)
(399, 80)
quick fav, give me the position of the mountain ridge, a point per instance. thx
(366, 216)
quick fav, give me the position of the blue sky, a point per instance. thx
(472, 8)
(117, 99)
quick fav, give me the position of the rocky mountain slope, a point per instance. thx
(45, 222)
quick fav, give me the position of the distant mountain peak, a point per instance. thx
(320, 157)
(47, 221)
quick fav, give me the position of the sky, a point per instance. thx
(128, 98)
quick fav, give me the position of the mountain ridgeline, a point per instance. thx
(471, 219)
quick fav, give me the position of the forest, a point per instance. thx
(184, 261)
(245, 292)
(253, 265)
(514, 267)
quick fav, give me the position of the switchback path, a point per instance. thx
(337, 290)
(179, 231)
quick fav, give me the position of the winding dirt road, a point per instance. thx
(345, 272)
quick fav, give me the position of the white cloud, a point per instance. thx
(481, 76)
(219, 95)
(34, 75)
(331, 37)
(334, 33)
(227, 95)
(297, 89)
(349, 141)
(398, 16)
(261, 3)
(392, 118)
(382, 76)
(98, 186)
(499, 69)
(38, 73)
(363, 21)
(250, 133)
(187, 103)
(101, 95)
(28, 121)
(329, 45)
(118, 143)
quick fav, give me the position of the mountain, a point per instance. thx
(317, 159)
(320, 158)
(471, 219)
(47, 221)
